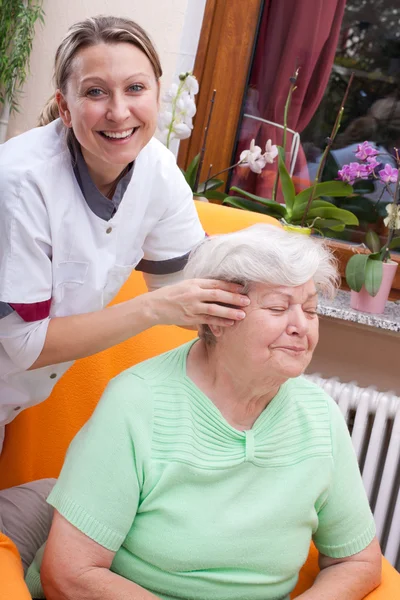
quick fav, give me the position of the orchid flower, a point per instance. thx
(365, 151)
(190, 84)
(393, 217)
(354, 171)
(388, 174)
(271, 152)
(253, 158)
(175, 121)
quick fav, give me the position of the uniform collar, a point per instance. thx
(100, 205)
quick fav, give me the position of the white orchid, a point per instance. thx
(164, 119)
(253, 158)
(271, 152)
(175, 121)
(191, 84)
(185, 108)
(393, 219)
(171, 93)
(181, 130)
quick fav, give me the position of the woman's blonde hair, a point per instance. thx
(90, 32)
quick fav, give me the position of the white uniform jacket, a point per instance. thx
(58, 258)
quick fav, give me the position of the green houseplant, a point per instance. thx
(176, 122)
(370, 274)
(307, 210)
(17, 27)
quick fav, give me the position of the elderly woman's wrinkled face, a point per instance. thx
(279, 334)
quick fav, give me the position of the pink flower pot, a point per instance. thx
(364, 302)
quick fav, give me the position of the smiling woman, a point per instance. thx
(86, 198)
(110, 107)
(220, 439)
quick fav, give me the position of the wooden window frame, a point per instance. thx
(223, 59)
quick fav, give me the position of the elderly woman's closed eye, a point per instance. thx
(206, 472)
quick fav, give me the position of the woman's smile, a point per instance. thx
(119, 137)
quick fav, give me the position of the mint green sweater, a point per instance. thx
(197, 510)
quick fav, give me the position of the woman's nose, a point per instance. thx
(118, 109)
(298, 323)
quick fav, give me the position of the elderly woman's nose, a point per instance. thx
(298, 322)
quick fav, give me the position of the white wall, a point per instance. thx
(173, 25)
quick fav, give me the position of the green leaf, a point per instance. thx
(395, 243)
(299, 209)
(191, 172)
(326, 188)
(212, 184)
(280, 209)
(373, 276)
(345, 216)
(245, 204)
(286, 182)
(213, 195)
(332, 224)
(355, 271)
(372, 241)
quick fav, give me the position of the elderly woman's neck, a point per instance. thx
(236, 392)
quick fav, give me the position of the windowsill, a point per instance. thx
(339, 308)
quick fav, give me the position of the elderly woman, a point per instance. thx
(205, 472)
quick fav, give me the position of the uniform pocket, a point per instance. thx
(115, 280)
(74, 293)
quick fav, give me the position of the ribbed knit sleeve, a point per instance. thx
(99, 486)
(345, 522)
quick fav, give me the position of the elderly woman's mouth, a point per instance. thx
(291, 349)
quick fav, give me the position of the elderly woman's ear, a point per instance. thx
(216, 330)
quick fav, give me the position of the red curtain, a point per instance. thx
(293, 34)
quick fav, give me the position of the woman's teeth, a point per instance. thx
(119, 134)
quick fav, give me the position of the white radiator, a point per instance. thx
(373, 419)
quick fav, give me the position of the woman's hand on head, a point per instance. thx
(197, 302)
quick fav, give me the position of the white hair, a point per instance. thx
(265, 254)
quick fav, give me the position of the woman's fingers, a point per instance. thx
(222, 292)
(222, 312)
(197, 301)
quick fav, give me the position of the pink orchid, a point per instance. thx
(365, 150)
(372, 163)
(389, 174)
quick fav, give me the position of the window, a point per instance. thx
(225, 61)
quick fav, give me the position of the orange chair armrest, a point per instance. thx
(11, 572)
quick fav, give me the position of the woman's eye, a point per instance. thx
(95, 92)
(277, 309)
(311, 311)
(136, 87)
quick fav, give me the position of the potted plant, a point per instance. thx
(175, 122)
(307, 210)
(17, 26)
(370, 274)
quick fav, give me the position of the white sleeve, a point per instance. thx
(155, 282)
(22, 342)
(167, 246)
(25, 241)
(25, 269)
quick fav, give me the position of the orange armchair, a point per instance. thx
(36, 441)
